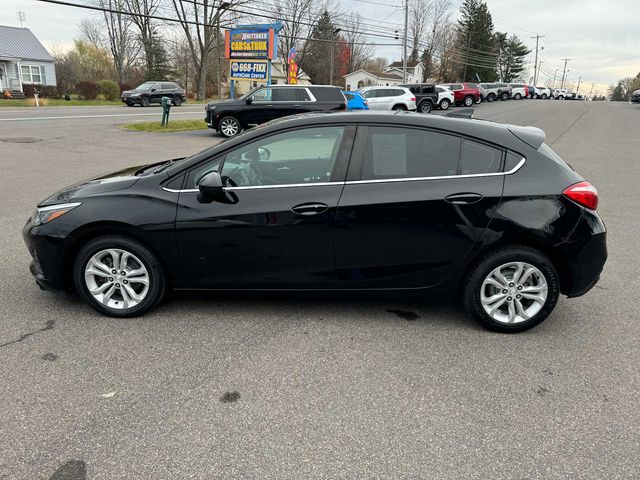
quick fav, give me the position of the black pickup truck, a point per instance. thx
(426, 96)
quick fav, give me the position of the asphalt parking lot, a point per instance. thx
(289, 386)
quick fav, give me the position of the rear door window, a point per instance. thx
(479, 158)
(398, 152)
(327, 94)
(396, 92)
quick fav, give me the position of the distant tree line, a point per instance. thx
(622, 91)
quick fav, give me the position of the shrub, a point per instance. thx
(87, 90)
(109, 89)
(46, 91)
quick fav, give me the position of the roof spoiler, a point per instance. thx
(462, 113)
(532, 136)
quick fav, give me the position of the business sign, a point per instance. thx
(249, 70)
(292, 67)
(254, 43)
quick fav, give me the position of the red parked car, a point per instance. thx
(464, 93)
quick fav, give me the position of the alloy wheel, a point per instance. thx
(116, 278)
(468, 101)
(229, 127)
(514, 292)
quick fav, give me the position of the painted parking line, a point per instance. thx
(70, 117)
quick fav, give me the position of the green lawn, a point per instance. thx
(174, 126)
(57, 102)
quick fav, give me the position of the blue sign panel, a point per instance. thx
(249, 70)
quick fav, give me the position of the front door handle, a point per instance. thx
(463, 198)
(308, 209)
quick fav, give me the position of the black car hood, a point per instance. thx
(225, 102)
(106, 183)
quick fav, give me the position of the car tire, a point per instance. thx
(229, 126)
(91, 273)
(544, 96)
(177, 100)
(504, 97)
(444, 104)
(425, 107)
(399, 107)
(517, 96)
(512, 314)
(468, 101)
(560, 97)
(491, 97)
(145, 101)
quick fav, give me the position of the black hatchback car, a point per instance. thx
(230, 117)
(351, 201)
(152, 92)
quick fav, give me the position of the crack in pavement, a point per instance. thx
(570, 127)
(48, 326)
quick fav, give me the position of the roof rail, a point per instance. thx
(463, 113)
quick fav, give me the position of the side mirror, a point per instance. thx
(249, 101)
(153, 89)
(210, 187)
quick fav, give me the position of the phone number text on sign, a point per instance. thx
(243, 70)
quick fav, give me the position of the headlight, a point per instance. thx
(44, 215)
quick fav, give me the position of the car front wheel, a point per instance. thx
(229, 127)
(118, 276)
(444, 104)
(517, 96)
(145, 101)
(468, 101)
(512, 289)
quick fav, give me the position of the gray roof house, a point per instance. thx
(23, 60)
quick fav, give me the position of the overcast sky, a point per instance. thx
(602, 38)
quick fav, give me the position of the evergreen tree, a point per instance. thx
(316, 55)
(476, 46)
(160, 67)
(617, 93)
(511, 55)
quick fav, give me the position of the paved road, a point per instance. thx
(291, 387)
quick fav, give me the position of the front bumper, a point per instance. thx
(47, 254)
(635, 99)
(211, 119)
(130, 99)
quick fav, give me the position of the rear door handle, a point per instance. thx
(308, 209)
(463, 198)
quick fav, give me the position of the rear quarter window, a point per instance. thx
(327, 94)
(479, 158)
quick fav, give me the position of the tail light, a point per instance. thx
(413, 99)
(583, 193)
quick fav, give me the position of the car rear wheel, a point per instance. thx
(517, 96)
(229, 126)
(118, 276)
(491, 97)
(444, 104)
(399, 107)
(512, 289)
(177, 100)
(544, 96)
(425, 107)
(468, 101)
(504, 97)
(145, 101)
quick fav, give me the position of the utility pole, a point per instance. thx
(333, 42)
(404, 43)
(564, 72)
(591, 91)
(554, 79)
(535, 62)
(466, 58)
(578, 89)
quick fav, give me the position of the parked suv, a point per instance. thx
(559, 93)
(494, 91)
(518, 90)
(464, 93)
(445, 98)
(389, 98)
(152, 92)
(543, 92)
(635, 97)
(426, 96)
(229, 117)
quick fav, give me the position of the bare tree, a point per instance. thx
(359, 51)
(376, 65)
(122, 42)
(91, 32)
(200, 21)
(141, 11)
(419, 13)
(438, 34)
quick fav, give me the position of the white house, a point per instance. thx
(23, 60)
(391, 76)
(278, 77)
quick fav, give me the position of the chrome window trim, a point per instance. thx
(357, 182)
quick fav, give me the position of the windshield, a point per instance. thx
(145, 86)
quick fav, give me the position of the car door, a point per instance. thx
(156, 92)
(414, 204)
(374, 99)
(276, 228)
(260, 107)
(286, 101)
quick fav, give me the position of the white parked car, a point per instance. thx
(518, 91)
(389, 98)
(543, 92)
(445, 97)
(559, 93)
